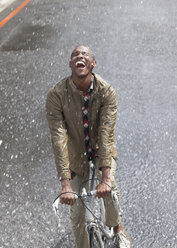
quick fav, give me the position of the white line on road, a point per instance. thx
(5, 3)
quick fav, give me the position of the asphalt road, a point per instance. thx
(135, 44)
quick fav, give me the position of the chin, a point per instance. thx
(81, 75)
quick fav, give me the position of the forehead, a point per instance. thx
(82, 49)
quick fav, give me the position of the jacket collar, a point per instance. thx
(75, 89)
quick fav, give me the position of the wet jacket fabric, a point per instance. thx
(65, 118)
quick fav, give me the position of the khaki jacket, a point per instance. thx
(64, 114)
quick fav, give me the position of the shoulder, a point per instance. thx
(102, 86)
(60, 87)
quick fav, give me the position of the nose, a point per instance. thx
(80, 55)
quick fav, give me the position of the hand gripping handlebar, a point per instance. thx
(84, 194)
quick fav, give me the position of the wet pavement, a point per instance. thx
(135, 46)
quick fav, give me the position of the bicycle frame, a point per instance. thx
(98, 225)
(91, 223)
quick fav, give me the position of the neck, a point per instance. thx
(82, 83)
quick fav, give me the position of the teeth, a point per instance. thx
(80, 62)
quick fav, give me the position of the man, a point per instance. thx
(81, 112)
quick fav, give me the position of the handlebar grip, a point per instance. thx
(55, 205)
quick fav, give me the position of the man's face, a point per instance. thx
(82, 61)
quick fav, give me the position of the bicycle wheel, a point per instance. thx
(113, 243)
(93, 239)
(116, 243)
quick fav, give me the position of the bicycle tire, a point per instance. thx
(93, 239)
(114, 243)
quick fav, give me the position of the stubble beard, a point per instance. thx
(83, 76)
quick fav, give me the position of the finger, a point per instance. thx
(62, 201)
(67, 202)
(97, 195)
(72, 202)
(100, 195)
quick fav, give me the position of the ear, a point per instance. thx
(94, 64)
(70, 63)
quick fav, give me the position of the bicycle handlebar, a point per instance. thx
(84, 194)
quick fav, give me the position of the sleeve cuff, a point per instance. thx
(104, 163)
(64, 175)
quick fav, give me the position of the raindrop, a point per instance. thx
(13, 212)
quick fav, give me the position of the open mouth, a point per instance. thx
(80, 64)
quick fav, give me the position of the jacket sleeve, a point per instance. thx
(106, 128)
(58, 132)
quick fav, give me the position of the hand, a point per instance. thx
(68, 198)
(103, 190)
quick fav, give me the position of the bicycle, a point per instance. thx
(99, 235)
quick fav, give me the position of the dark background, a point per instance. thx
(135, 47)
